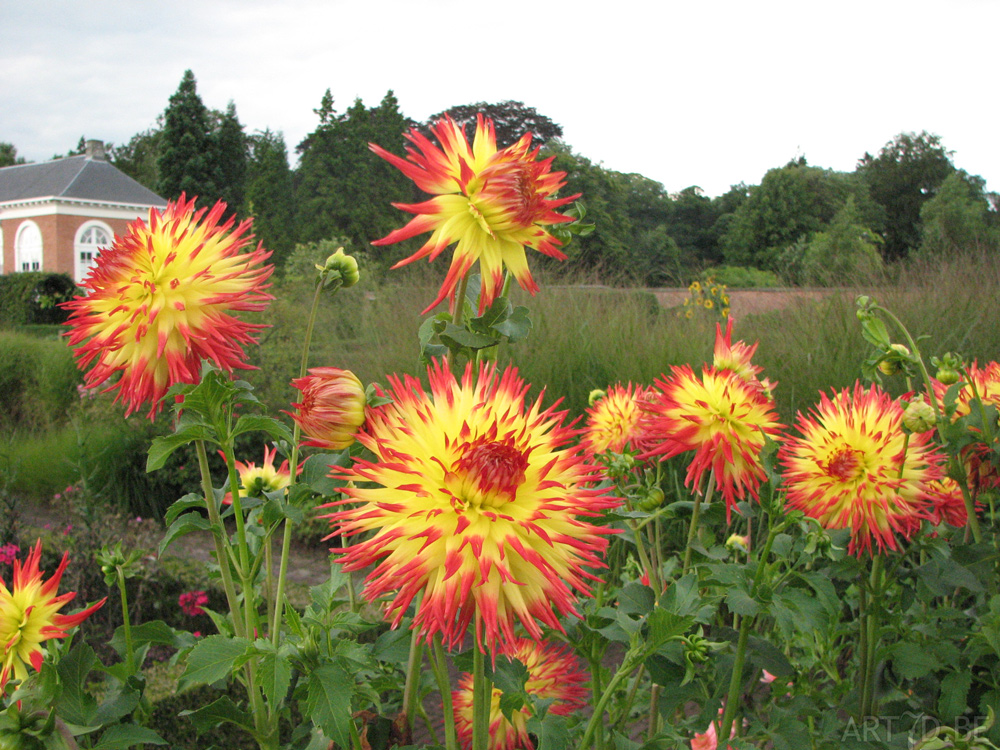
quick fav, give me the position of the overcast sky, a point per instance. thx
(689, 92)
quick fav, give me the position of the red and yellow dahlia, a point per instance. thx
(159, 301)
(332, 409)
(256, 480)
(617, 421)
(481, 506)
(491, 203)
(734, 357)
(979, 458)
(553, 673)
(29, 615)
(853, 467)
(722, 418)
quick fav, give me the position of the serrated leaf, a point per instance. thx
(222, 710)
(769, 657)
(328, 701)
(509, 675)
(75, 705)
(183, 525)
(912, 661)
(740, 602)
(188, 502)
(456, 337)
(954, 695)
(154, 631)
(117, 704)
(316, 472)
(262, 423)
(212, 660)
(517, 326)
(163, 447)
(121, 736)
(636, 599)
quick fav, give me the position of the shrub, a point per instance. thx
(743, 277)
(38, 380)
(34, 297)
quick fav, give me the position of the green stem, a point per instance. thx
(868, 687)
(126, 623)
(286, 537)
(243, 550)
(440, 667)
(218, 536)
(693, 529)
(482, 698)
(632, 659)
(412, 679)
(626, 707)
(920, 361)
(863, 615)
(746, 623)
(459, 313)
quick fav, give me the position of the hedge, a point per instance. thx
(34, 297)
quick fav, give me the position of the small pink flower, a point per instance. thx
(768, 678)
(57, 496)
(197, 634)
(69, 528)
(192, 601)
(9, 553)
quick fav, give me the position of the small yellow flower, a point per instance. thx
(725, 299)
(709, 304)
(715, 291)
(689, 313)
(725, 312)
(695, 287)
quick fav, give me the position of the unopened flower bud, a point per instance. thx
(595, 395)
(737, 543)
(919, 417)
(342, 267)
(891, 365)
(947, 376)
(332, 409)
(652, 500)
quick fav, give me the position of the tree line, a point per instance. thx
(802, 223)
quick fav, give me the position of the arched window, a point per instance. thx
(28, 247)
(91, 238)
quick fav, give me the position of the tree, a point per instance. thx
(844, 252)
(230, 156)
(186, 162)
(901, 179)
(343, 188)
(139, 158)
(511, 120)
(8, 155)
(791, 203)
(958, 218)
(270, 196)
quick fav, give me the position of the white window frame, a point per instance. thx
(28, 255)
(82, 265)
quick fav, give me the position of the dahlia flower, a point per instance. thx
(332, 409)
(617, 420)
(734, 357)
(853, 467)
(491, 203)
(481, 507)
(979, 457)
(255, 481)
(553, 673)
(722, 418)
(159, 300)
(29, 615)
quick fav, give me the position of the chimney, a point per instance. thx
(94, 149)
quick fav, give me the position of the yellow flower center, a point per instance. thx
(490, 473)
(845, 464)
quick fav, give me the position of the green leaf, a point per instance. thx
(185, 524)
(162, 447)
(954, 695)
(117, 704)
(665, 626)
(316, 472)
(188, 502)
(328, 701)
(126, 735)
(766, 655)
(740, 602)
(154, 631)
(509, 675)
(222, 710)
(552, 731)
(912, 661)
(517, 326)
(75, 705)
(636, 599)
(212, 660)
(875, 333)
(262, 423)
(456, 337)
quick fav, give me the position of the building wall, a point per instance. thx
(58, 226)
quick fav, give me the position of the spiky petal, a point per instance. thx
(980, 458)
(724, 419)
(159, 300)
(491, 203)
(332, 408)
(853, 467)
(256, 480)
(29, 615)
(481, 506)
(618, 421)
(553, 673)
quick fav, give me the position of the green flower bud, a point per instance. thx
(342, 267)
(919, 417)
(652, 500)
(893, 361)
(947, 376)
(595, 395)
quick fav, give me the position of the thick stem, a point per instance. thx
(440, 667)
(632, 659)
(868, 688)
(459, 313)
(126, 624)
(412, 679)
(482, 699)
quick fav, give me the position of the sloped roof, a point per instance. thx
(79, 177)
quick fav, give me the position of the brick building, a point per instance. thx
(57, 215)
